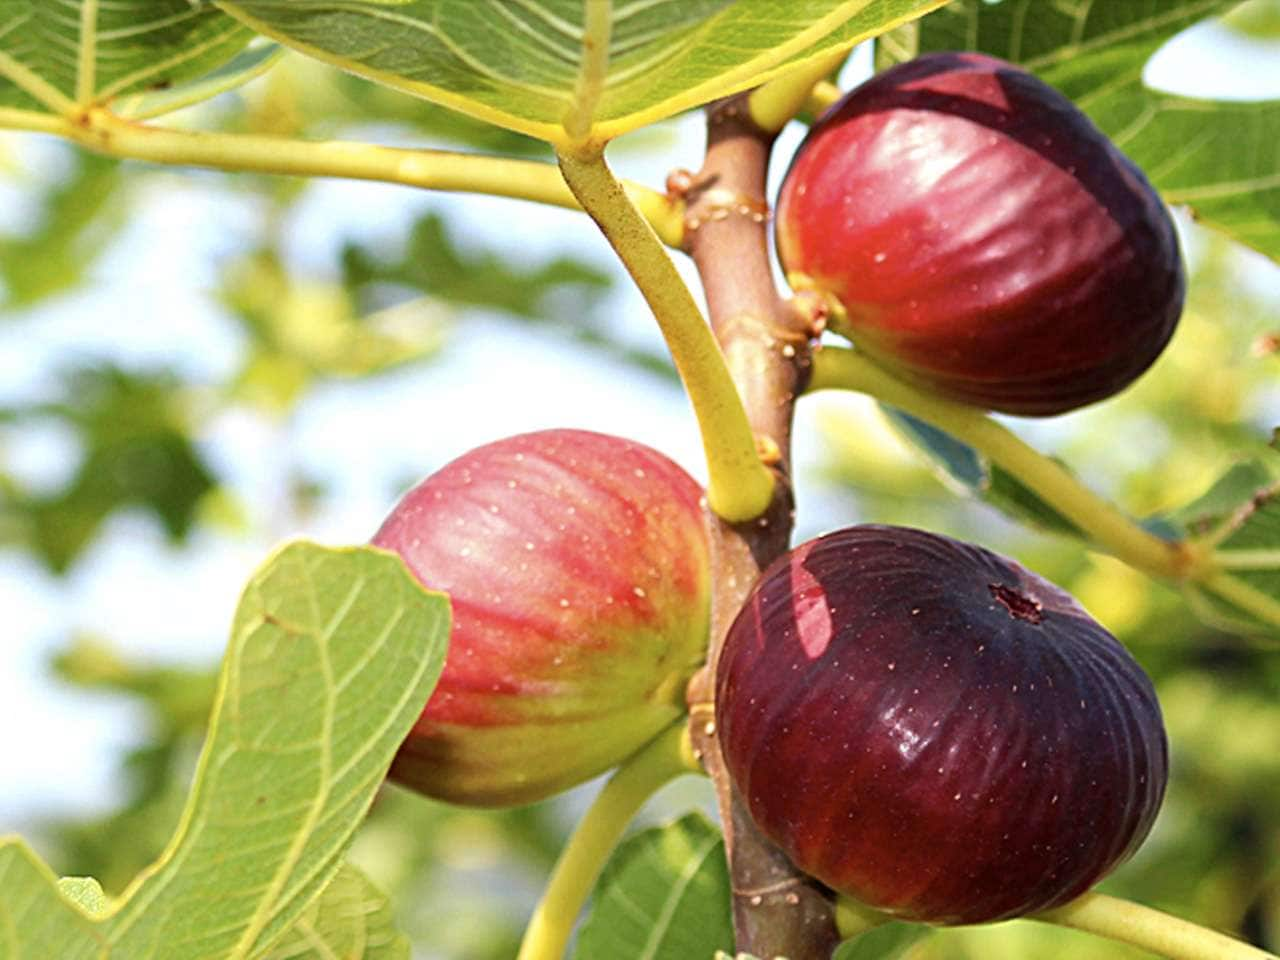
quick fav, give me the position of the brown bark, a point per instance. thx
(778, 911)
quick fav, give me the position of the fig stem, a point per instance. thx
(99, 130)
(663, 759)
(822, 98)
(773, 104)
(845, 369)
(740, 487)
(1150, 929)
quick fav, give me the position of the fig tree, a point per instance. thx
(934, 730)
(577, 568)
(983, 238)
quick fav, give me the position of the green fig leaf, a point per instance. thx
(1235, 488)
(86, 893)
(36, 920)
(351, 918)
(59, 58)
(884, 942)
(664, 895)
(963, 468)
(1217, 158)
(251, 62)
(1246, 544)
(566, 71)
(333, 654)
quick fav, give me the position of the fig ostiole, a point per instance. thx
(577, 568)
(982, 238)
(934, 730)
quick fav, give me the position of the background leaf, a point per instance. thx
(664, 895)
(1220, 159)
(136, 452)
(77, 215)
(519, 65)
(884, 942)
(969, 472)
(1236, 488)
(1253, 530)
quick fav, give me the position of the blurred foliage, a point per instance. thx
(377, 309)
(433, 262)
(303, 97)
(75, 214)
(1256, 18)
(113, 848)
(299, 330)
(136, 451)
(1207, 410)
(563, 296)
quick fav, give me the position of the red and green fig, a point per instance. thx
(577, 568)
(983, 238)
(934, 730)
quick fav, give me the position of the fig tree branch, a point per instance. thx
(778, 911)
(100, 130)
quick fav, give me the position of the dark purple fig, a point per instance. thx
(577, 568)
(934, 730)
(986, 241)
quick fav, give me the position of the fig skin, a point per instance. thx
(985, 239)
(578, 572)
(935, 731)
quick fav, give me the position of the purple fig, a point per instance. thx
(934, 730)
(984, 239)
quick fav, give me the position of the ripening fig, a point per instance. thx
(934, 730)
(577, 568)
(984, 240)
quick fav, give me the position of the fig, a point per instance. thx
(934, 730)
(983, 239)
(577, 567)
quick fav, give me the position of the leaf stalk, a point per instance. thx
(740, 487)
(1150, 929)
(597, 833)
